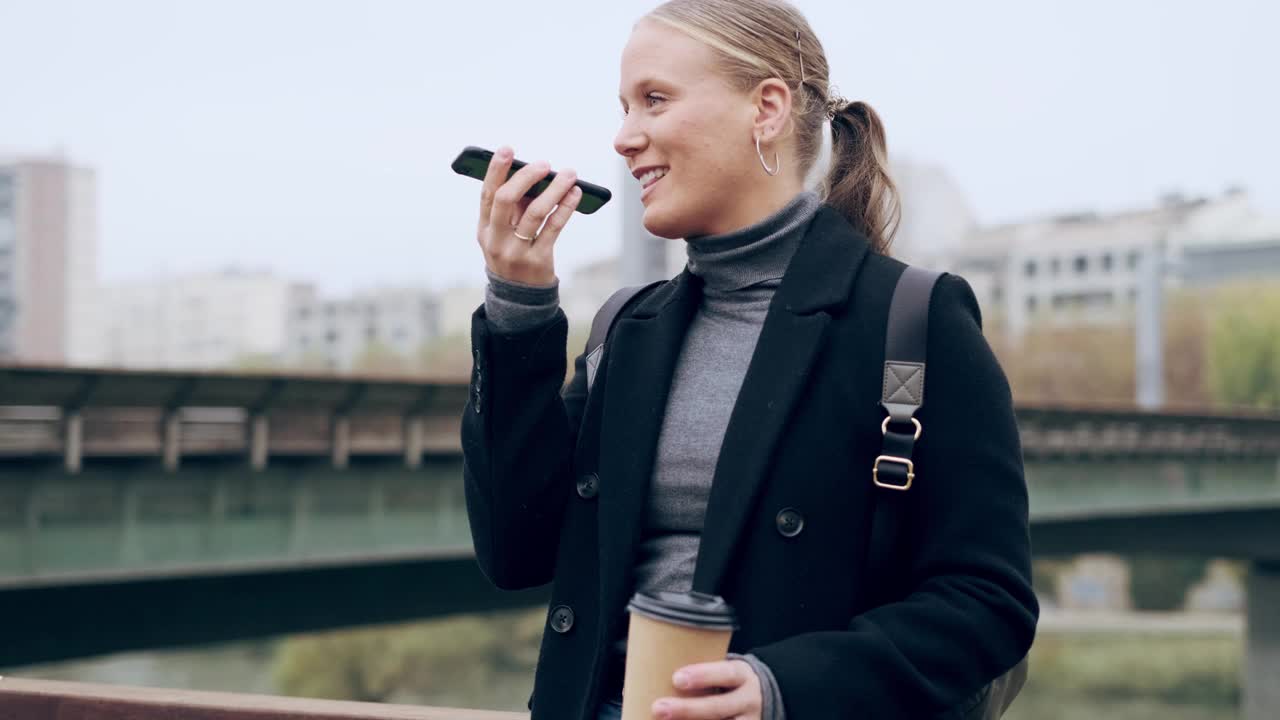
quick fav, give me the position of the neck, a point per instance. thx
(753, 254)
(757, 204)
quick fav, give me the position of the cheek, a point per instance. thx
(707, 155)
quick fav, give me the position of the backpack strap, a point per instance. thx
(902, 395)
(603, 323)
(904, 368)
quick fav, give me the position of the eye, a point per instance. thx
(650, 100)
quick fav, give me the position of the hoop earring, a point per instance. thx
(777, 162)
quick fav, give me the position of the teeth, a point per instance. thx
(652, 175)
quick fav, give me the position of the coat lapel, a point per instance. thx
(642, 352)
(819, 279)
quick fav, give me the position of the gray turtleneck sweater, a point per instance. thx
(740, 271)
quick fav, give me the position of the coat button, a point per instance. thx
(790, 522)
(588, 486)
(562, 619)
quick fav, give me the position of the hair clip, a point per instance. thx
(800, 53)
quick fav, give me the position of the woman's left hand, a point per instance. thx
(736, 689)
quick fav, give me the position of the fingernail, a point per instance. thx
(503, 153)
(681, 679)
(661, 710)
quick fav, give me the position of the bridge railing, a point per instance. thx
(22, 699)
(1126, 433)
(79, 413)
(94, 413)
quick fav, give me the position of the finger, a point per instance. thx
(547, 201)
(499, 164)
(542, 205)
(705, 676)
(513, 190)
(708, 707)
(558, 219)
(517, 212)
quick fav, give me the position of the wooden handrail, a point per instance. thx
(22, 699)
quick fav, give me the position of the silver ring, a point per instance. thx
(526, 239)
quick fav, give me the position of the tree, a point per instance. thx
(446, 356)
(1096, 363)
(255, 362)
(378, 358)
(467, 660)
(1068, 364)
(1244, 354)
(1186, 349)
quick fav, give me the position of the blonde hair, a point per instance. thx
(761, 39)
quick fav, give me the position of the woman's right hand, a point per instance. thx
(505, 211)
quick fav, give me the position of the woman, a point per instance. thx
(731, 428)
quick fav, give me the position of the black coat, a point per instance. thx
(952, 609)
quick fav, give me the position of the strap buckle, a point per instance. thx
(905, 462)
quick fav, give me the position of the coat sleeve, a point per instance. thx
(969, 613)
(518, 436)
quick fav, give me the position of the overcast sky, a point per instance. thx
(314, 138)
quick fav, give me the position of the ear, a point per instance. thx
(773, 110)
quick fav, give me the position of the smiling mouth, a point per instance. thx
(652, 176)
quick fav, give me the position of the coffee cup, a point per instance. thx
(667, 631)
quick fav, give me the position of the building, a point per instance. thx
(226, 319)
(335, 333)
(456, 306)
(644, 257)
(1088, 268)
(590, 285)
(936, 216)
(48, 260)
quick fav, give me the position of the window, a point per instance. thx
(1031, 268)
(1134, 256)
(1081, 264)
(1031, 303)
(1107, 262)
(1055, 265)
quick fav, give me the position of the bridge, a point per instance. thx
(152, 509)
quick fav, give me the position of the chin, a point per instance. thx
(664, 223)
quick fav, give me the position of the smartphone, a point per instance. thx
(474, 162)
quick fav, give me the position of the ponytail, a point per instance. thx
(858, 184)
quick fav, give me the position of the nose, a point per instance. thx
(630, 140)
